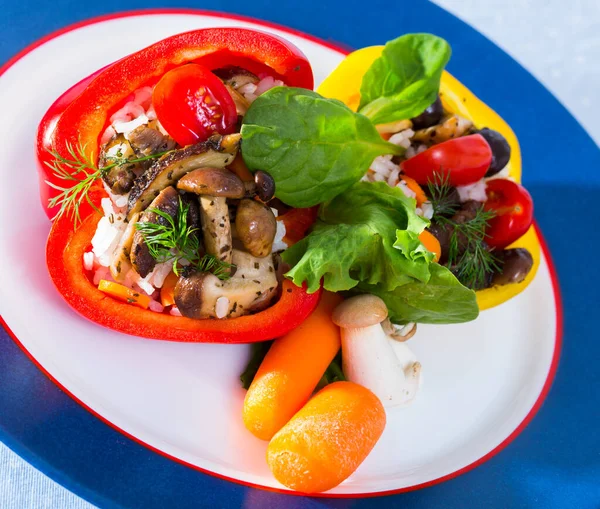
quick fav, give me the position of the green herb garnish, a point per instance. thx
(174, 241)
(468, 258)
(80, 168)
(441, 196)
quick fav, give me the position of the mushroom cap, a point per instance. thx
(360, 311)
(213, 182)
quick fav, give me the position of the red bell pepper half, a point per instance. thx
(64, 256)
(80, 116)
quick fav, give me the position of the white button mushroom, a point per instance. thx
(372, 358)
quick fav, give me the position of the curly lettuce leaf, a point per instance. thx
(369, 234)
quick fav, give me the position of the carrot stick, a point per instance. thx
(415, 188)
(328, 439)
(121, 292)
(167, 292)
(432, 244)
(291, 370)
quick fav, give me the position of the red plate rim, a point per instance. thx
(343, 50)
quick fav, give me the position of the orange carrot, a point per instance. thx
(328, 439)
(167, 292)
(238, 166)
(431, 243)
(291, 370)
(121, 292)
(415, 188)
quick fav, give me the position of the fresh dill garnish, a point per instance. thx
(80, 168)
(468, 257)
(177, 242)
(441, 196)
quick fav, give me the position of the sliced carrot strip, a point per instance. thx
(432, 244)
(238, 166)
(121, 292)
(167, 292)
(415, 188)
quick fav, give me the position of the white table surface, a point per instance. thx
(564, 54)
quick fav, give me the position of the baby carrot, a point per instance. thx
(121, 292)
(291, 370)
(431, 243)
(167, 292)
(413, 185)
(328, 439)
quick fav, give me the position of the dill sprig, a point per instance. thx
(469, 258)
(81, 169)
(440, 196)
(176, 242)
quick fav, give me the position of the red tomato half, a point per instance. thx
(192, 104)
(513, 207)
(463, 160)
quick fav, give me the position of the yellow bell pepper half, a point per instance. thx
(344, 84)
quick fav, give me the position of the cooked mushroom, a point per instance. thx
(146, 141)
(213, 182)
(218, 151)
(250, 289)
(216, 227)
(120, 178)
(515, 264)
(451, 127)
(120, 262)
(241, 103)
(370, 357)
(236, 77)
(394, 127)
(168, 202)
(256, 227)
(265, 186)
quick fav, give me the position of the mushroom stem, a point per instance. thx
(216, 228)
(371, 357)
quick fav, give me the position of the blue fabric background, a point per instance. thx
(554, 463)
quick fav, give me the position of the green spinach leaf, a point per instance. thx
(405, 79)
(314, 148)
(441, 300)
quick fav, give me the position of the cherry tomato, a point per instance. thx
(462, 160)
(513, 207)
(192, 104)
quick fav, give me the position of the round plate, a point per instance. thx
(484, 380)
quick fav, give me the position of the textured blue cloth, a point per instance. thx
(555, 463)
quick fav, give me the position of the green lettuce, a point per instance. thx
(368, 234)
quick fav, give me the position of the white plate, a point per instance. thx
(482, 379)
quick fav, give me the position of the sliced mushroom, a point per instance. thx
(120, 178)
(120, 262)
(241, 103)
(393, 127)
(250, 289)
(256, 227)
(213, 182)
(218, 151)
(168, 202)
(146, 141)
(216, 227)
(451, 127)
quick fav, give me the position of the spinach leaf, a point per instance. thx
(405, 79)
(441, 300)
(314, 148)
(368, 234)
